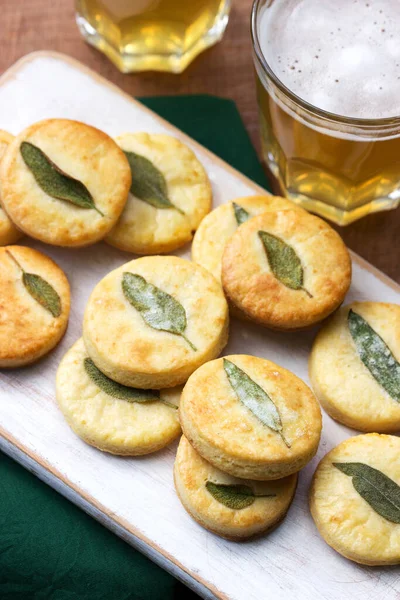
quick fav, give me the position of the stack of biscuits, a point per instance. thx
(147, 366)
(249, 427)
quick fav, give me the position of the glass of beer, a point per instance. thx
(160, 35)
(328, 86)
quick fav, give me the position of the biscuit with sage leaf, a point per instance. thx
(251, 418)
(110, 416)
(355, 499)
(236, 509)
(35, 303)
(64, 182)
(153, 321)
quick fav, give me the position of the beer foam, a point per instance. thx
(342, 56)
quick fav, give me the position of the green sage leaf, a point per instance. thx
(376, 488)
(53, 181)
(254, 398)
(241, 215)
(40, 289)
(283, 261)
(375, 355)
(157, 308)
(117, 390)
(236, 496)
(148, 183)
(43, 293)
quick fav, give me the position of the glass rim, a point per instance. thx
(338, 119)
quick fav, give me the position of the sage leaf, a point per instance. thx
(254, 398)
(376, 488)
(236, 496)
(53, 181)
(157, 308)
(117, 390)
(148, 183)
(375, 355)
(283, 261)
(241, 215)
(43, 293)
(40, 290)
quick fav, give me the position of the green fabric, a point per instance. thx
(216, 124)
(50, 549)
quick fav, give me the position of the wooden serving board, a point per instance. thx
(135, 497)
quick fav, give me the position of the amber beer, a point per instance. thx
(162, 35)
(328, 81)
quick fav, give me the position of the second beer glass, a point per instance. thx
(161, 35)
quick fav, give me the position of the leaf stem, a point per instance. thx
(168, 404)
(307, 292)
(15, 260)
(193, 347)
(98, 210)
(179, 210)
(284, 440)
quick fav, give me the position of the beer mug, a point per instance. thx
(160, 35)
(328, 86)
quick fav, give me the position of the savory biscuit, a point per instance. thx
(233, 508)
(34, 305)
(64, 183)
(355, 499)
(354, 366)
(110, 416)
(155, 320)
(170, 194)
(286, 270)
(219, 226)
(9, 234)
(5, 140)
(250, 417)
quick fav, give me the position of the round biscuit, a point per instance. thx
(342, 383)
(192, 472)
(27, 329)
(111, 424)
(9, 234)
(253, 288)
(145, 229)
(83, 153)
(344, 519)
(128, 350)
(228, 434)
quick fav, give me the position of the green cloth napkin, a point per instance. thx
(50, 549)
(216, 124)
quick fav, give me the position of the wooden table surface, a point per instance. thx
(224, 70)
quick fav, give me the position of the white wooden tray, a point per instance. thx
(134, 497)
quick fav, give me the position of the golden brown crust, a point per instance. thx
(342, 383)
(9, 234)
(219, 226)
(144, 229)
(5, 140)
(252, 287)
(191, 472)
(344, 519)
(234, 440)
(111, 424)
(82, 152)
(128, 350)
(27, 330)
